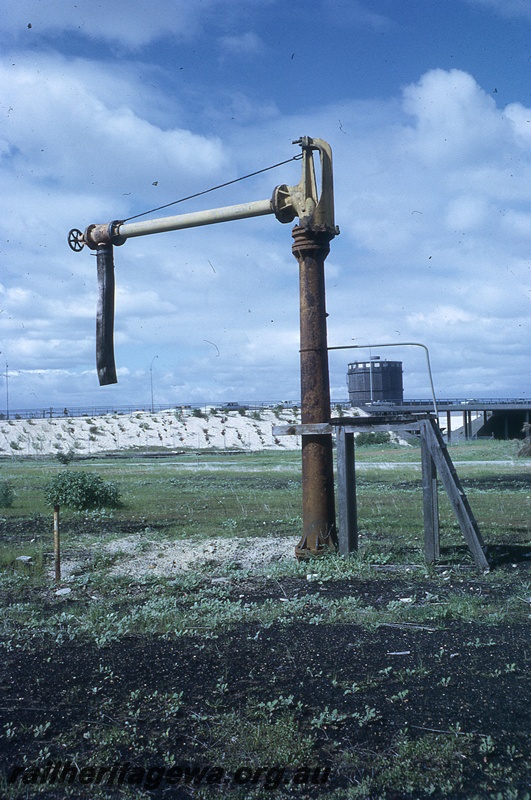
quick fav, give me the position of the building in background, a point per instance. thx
(375, 381)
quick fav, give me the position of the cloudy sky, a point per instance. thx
(109, 109)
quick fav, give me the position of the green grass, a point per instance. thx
(216, 496)
(471, 450)
(190, 497)
(193, 498)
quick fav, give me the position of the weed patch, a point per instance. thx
(7, 494)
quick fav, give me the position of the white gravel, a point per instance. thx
(169, 558)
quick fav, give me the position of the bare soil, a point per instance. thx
(466, 682)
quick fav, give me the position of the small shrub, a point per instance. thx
(525, 449)
(65, 458)
(372, 437)
(81, 490)
(7, 494)
(197, 412)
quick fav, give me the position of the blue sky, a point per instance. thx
(110, 109)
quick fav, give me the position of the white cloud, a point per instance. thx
(355, 13)
(245, 44)
(433, 198)
(467, 212)
(66, 131)
(454, 119)
(507, 8)
(61, 127)
(433, 201)
(423, 185)
(447, 315)
(117, 21)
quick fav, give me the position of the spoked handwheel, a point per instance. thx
(75, 240)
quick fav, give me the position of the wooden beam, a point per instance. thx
(309, 429)
(346, 492)
(458, 499)
(390, 426)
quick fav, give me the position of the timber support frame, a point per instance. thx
(436, 462)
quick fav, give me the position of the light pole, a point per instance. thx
(369, 348)
(151, 381)
(7, 386)
(370, 375)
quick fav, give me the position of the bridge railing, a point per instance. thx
(481, 402)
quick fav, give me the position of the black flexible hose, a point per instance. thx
(105, 316)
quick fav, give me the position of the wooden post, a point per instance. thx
(56, 544)
(430, 501)
(346, 492)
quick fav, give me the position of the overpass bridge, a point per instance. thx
(501, 418)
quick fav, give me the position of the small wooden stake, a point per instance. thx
(56, 544)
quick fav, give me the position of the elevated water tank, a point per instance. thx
(375, 381)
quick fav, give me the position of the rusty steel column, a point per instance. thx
(318, 508)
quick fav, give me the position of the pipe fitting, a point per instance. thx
(103, 234)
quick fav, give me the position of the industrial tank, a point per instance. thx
(375, 381)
